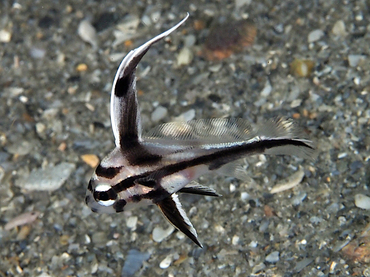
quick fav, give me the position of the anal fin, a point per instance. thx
(175, 214)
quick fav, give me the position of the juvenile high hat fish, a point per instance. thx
(152, 169)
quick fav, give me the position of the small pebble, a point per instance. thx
(315, 35)
(186, 116)
(244, 196)
(240, 3)
(5, 36)
(289, 182)
(159, 234)
(166, 262)
(21, 148)
(354, 60)
(184, 57)
(131, 222)
(355, 166)
(40, 128)
(266, 90)
(315, 220)
(273, 257)
(258, 268)
(87, 33)
(302, 264)
(46, 179)
(37, 53)
(302, 68)
(339, 29)
(133, 262)
(298, 199)
(81, 67)
(362, 201)
(296, 103)
(181, 259)
(91, 160)
(189, 40)
(159, 113)
(235, 240)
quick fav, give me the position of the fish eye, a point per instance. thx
(105, 195)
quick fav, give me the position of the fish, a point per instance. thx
(152, 169)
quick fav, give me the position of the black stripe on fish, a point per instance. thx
(127, 126)
(107, 172)
(157, 195)
(105, 195)
(123, 85)
(254, 147)
(126, 79)
(136, 154)
(214, 160)
(87, 199)
(89, 187)
(119, 205)
(136, 198)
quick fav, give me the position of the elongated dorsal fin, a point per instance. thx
(125, 114)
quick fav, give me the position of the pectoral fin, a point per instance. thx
(173, 211)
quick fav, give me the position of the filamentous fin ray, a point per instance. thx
(196, 188)
(175, 214)
(214, 133)
(212, 130)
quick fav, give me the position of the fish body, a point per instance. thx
(154, 168)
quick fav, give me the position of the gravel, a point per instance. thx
(54, 109)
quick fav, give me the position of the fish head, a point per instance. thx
(111, 177)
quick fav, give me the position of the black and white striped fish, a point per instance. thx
(152, 169)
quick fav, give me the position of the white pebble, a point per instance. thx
(240, 3)
(189, 40)
(215, 68)
(266, 90)
(289, 182)
(339, 28)
(131, 222)
(353, 60)
(235, 240)
(273, 257)
(159, 113)
(46, 179)
(362, 201)
(115, 57)
(40, 128)
(232, 188)
(5, 36)
(244, 196)
(166, 262)
(184, 57)
(23, 99)
(315, 35)
(296, 103)
(87, 32)
(186, 116)
(159, 234)
(37, 53)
